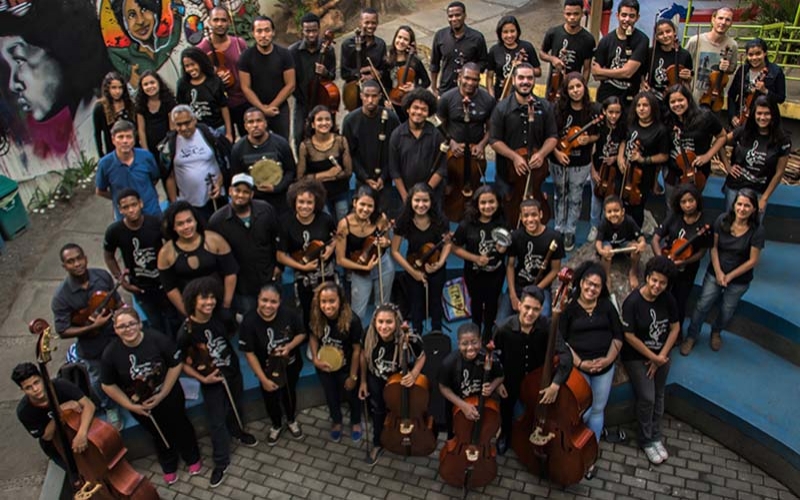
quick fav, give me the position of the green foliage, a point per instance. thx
(770, 11)
(243, 20)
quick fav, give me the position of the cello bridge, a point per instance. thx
(472, 454)
(406, 428)
(467, 192)
(539, 439)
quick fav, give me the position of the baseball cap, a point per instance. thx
(242, 179)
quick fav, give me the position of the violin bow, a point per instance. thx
(377, 77)
(695, 61)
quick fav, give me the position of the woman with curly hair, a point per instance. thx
(116, 104)
(154, 100)
(203, 90)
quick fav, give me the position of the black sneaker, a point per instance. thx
(569, 242)
(374, 456)
(217, 475)
(247, 440)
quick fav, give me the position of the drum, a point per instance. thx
(331, 355)
(266, 172)
(275, 370)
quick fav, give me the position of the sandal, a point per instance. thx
(716, 341)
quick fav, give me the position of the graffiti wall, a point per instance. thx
(53, 56)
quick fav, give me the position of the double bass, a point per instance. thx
(352, 88)
(323, 90)
(551, 440)
(101, 469)
(464, 173)
(408, 428)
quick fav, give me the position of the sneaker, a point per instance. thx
(591, 473)
(716, 341)
(295, 430)
(356, 436)
(687, 346)
(113, 418)
(171, 478)
(569, 242)
(662, 450)
(196, 468)
(247, 440)
(374, 456)
(336, 435)
(273, 435)
(217, 475)
(592, 235)
(652, 454)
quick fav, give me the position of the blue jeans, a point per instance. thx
(363, 285)
(568, 185)
(243, 304)
(93, 368)
(601, 388)
(709, 296)
(338, 206)
(596, 214)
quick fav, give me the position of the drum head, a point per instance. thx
(266, 171)
(331, 355)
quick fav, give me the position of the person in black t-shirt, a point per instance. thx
(380, 359)
(667, 53)
(618, 231)
(138, 238)
(484, 267)
(335, 326)
(611, 133)
(738, 241)
(203, 90)
(205, 349)
(140, 372)
(650, 323)
(762, 78)
(569, 47)
(508, 49)
(33, 410)
(269, 336)
(462, 373)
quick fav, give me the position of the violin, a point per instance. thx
(529, 186)
(556, 80)
(312, 251)
(551, 439)
(408, 429)
(99, 301)
(674, 69)
(521, 57)
(404, 75)
(714, 96)
(747, 102)
(463, 175)
(569, 141)
(428, 254)
(352, 88)
(690, 174)
(102, 467)
(681, 248)
(369, 250)
(632, 178)
(469, 459)
(322, 90)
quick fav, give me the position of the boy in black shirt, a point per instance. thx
(619, 231)
(569, 47)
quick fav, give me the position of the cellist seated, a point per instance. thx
(33, 410)
(461, 375)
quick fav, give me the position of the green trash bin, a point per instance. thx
(13, 216)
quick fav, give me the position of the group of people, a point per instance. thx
(210, 267)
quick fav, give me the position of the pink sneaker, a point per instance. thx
(196, 468)
(171, 478)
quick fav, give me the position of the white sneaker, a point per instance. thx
(294, 430)
(592, 235)
(652, 454)
(662, 450)
(113, 418)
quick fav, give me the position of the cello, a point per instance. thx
(404, 75)
(714, 96)
(551, 440)
(408, 428)
(530, 186)
(322, 90)
(101, 469)
(469, 459)
(690, 174)
(463, 175)
(351, 89)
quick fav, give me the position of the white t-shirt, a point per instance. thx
(194, 161)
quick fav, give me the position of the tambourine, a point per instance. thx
(502, 236)
(266, 171)
(275, 370)
(331, 355)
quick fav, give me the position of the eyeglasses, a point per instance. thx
(592, 284)
(127, 326)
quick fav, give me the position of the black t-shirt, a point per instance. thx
(385, 362)
(206, 99)
(417, 238)
(758, 159)
(734, 251)
(654, 139)
(613, 53)
(621, 235)
(501, 58)
(465, 377)
(36, 418)
(676, 227)
(590, 336)
(246, 154)
(266, 72)
(581, 155)
(261, 337)
(210, 337)
(139, 248)
(695, 137)
(141, 370)
(294, 236)
(368, 139)
(649, 321)
(476, 238)
(607, 145)
(344, 341)
(530, 252)
(663, 60)
(573, 50)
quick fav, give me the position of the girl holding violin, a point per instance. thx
(306, 241)
(508, 49)
(115, 104)
(762, 77)
(738, 241)
(605, 174)
(404, 68)
(573, 157)
(685, 223)
(650, 323)
(425, 230)
(760, 154)
(334, 326)
(203, 90)
(591, 328)
(140, 372)
(154, 100)
(269, 336)
(380, 359)
(362, 240)
(671, 64)
(325, 156)
(483, 255)
(645, 149)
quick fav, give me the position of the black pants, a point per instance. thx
(484, 292)
(222, 421)
(279, 124)
(416, 300)
(161, 314)
(333, 386)
(377, 405)
(171, 418)
(284, 400)
(507, 409)
(637, 211)
(682, 286)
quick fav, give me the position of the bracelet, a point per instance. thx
(354, 377)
